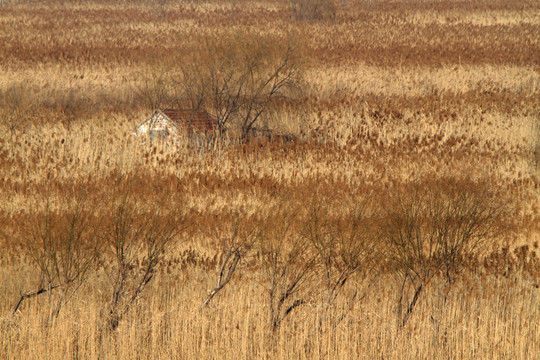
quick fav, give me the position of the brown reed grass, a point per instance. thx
(394, 94)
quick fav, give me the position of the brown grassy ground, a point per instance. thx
(394, 93)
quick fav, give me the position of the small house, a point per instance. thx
(195, 123)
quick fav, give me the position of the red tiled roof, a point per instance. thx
(194, 120)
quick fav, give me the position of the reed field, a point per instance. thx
(395, 214)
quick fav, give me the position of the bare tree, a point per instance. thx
(345, 247)
(63, 247)
(137, 237)
(154, 87)
(435, 228)
(288, 266)
(244, 234)
(238, 79)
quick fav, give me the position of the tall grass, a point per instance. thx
(414, 167)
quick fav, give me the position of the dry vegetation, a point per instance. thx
(403, 222)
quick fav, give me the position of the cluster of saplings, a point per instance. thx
(303, 250)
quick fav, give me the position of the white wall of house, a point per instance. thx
(158, 123)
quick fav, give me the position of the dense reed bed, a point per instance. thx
(403, 221)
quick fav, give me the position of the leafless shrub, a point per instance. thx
(314, 9)
(434, 229)
(243, 235)
(136, 237)
(13, 105)
(70, 104)
(345, 248)
(62, 244)
(289, 265)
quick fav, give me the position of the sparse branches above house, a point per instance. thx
(238, 79)
(153, 88)
(190, 91)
